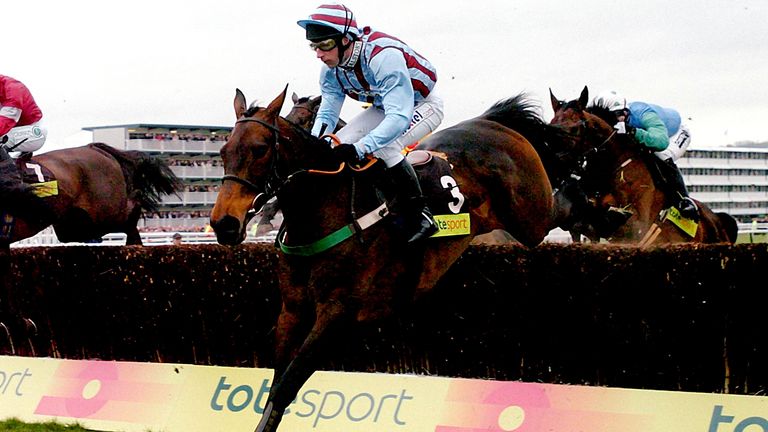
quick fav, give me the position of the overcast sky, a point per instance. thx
(97, 63)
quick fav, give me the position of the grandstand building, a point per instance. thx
(727, 179)
(192, 152)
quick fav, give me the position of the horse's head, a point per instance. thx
(261, 154)
(588, 130)
(304, 111)
(248, 157)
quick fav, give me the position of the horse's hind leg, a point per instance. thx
(287, 384)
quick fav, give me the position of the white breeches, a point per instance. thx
(678, 144)
(427, 116)
(26, 138)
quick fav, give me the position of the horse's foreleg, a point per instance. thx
(286, 385)
(6, 311)
(132, 236)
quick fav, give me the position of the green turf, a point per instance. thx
(14, 425)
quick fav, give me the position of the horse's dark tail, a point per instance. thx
(148, 178)
(730, 225)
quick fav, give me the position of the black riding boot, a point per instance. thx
(686, 205)
(419, 223)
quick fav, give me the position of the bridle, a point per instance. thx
(265, 193)
(582, 158)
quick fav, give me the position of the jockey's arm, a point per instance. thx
(330, 106)
(394, 83)
(653, 132)
(9, 116)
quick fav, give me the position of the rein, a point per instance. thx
(269, 190)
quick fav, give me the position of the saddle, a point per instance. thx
(439, 188)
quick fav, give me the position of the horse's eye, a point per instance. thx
(259, 151)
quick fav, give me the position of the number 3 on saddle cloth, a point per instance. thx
(442, 193)
(41, 179)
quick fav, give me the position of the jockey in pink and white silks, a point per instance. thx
(373, 67)
(20, 127)
(20, 117)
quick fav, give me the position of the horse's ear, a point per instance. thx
(555, 102)
(274, 107)
(315, 103)
(294, 98)
(239, 103)
(584, 97)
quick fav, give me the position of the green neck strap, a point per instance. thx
(321, 245)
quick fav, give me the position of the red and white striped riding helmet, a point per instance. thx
(334, 15)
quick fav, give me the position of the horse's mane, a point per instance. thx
(252, 109)
(523, 115)
(517, 112)
(303, 99)
(602, 112)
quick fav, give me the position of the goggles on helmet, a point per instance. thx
(323, 45)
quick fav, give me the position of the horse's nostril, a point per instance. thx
(227, 230)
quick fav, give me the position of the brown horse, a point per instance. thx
(100, 190)
(84, 192)
(629, 203)
(497, 177)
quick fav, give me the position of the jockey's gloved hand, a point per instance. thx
(346, 153)
(623, 128)
(328, 140)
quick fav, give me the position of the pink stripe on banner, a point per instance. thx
(105, 390)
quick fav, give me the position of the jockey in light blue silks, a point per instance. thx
(661, 130)
(376, 68)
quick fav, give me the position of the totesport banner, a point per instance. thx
(126, 396)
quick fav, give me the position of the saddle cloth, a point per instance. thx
(40, 177)
(442, 192)
(37, 176)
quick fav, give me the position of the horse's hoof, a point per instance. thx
(6, 334)
(270, 419)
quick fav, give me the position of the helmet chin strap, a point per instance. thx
(357, 48)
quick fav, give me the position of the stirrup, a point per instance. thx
(425, 230)
(688, 208)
